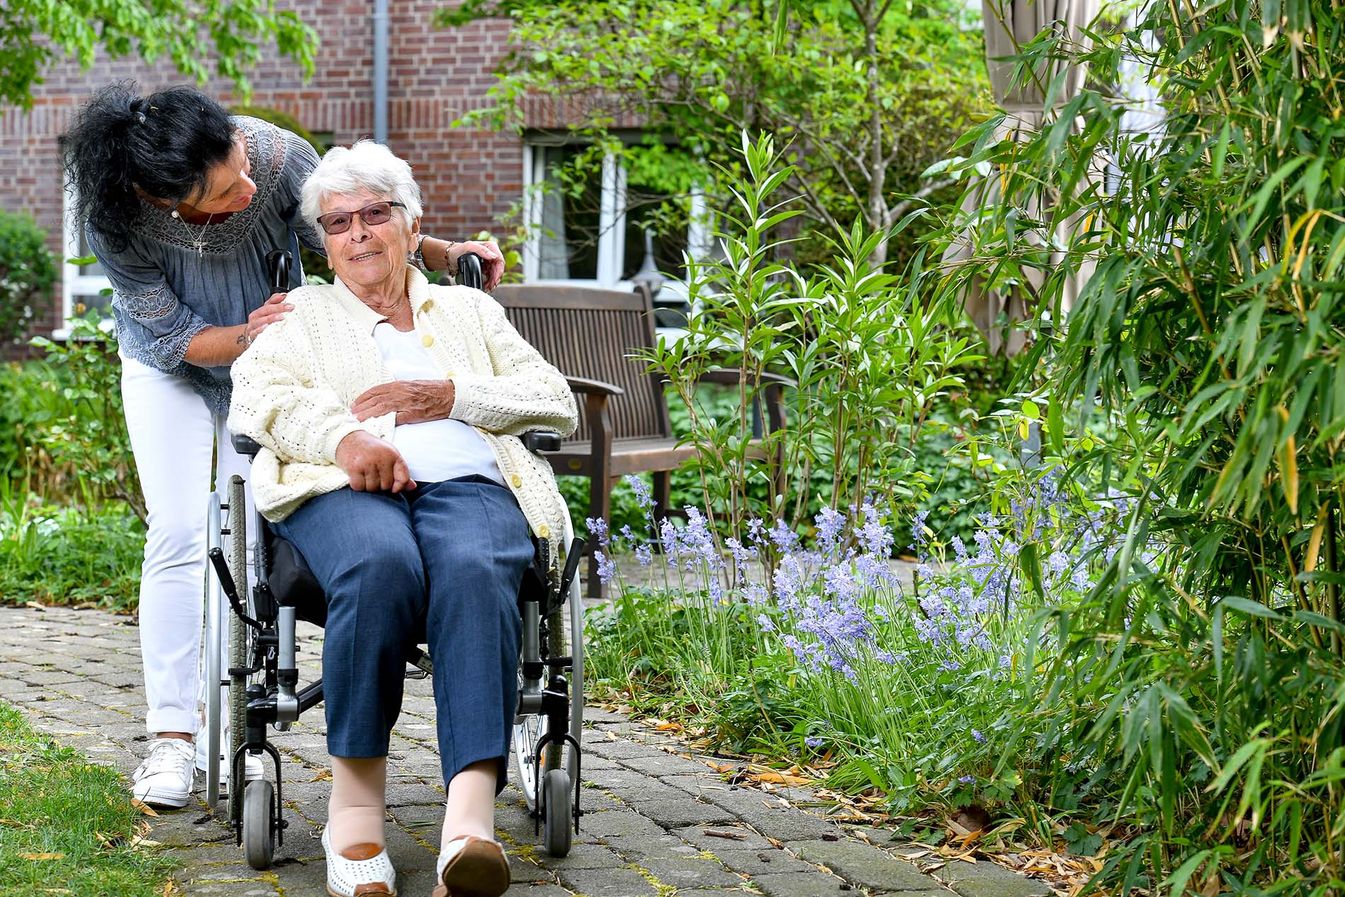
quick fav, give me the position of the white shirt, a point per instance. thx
(438, 449)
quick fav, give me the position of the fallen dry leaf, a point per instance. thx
(143, 807)
(41, 856)
(322, 775)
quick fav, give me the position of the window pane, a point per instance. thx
(666, 222)
(83, 302)
(94, 270)
(571, 206)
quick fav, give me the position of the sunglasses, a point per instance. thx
(372, 215)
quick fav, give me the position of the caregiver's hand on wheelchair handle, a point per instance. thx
(492, 260)
(415, 401)
(373, 464)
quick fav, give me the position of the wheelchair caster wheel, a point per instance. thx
(259, 823)
(557, 821)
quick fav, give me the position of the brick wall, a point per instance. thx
(470, 176)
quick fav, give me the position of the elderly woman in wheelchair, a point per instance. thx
(388, 412)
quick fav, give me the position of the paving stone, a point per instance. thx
(613, 750)
(677, 813)
(690, 872)
(91, 699)
(863, 864)
(581, 856)
(989, 880)
(610, 883)
(740, 837)
(620, 822)
(762, 862)
(663, 764)
(812, 884)
(638, 848)
(780, 823)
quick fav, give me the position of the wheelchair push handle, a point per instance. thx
(469, 271)
(278, 270)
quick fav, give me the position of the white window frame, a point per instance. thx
(611, 221)
(74, 284)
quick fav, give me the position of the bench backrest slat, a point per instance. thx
(592, 333)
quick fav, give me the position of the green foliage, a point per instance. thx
(1201, 692)
(867, 94)
(71, 437)
(866, 355)
(67, 555)
(68, 822)
(234, 32)
(27, 272)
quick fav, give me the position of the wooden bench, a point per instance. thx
(592, 336)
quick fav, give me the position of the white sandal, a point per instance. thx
(358, 878)
(472, 867)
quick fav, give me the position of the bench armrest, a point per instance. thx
(731, 377)
(595, 387)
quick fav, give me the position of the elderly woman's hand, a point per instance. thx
(415, 401)
(373, 464)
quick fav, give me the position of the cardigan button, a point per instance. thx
(429, 304)
(517, 481)
(544, 531)
(427, 341)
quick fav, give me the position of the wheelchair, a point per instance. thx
(250, 653)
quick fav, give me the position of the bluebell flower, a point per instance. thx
(606, 566)
(814, 741)
(644, 555)
(783, 537)
(978, 736)
(644, 496)
(966, 780)
(597, 528)
(829, 522)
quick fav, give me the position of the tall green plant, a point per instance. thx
(867, 357)
(1205, 691)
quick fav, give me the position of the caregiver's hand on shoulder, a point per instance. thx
(373, 464)
(415, 401)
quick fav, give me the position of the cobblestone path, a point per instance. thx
(660, 822)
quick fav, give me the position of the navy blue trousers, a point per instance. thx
(444, 560)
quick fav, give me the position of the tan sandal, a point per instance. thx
(472, 867)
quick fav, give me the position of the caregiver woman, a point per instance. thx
(182, 203)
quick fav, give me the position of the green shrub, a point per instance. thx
(27, 272)
(62, 555)
(1199, 694)
(71, 430)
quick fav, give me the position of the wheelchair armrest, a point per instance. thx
(246, 445)
(539, 441)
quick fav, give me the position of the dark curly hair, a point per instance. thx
(165, 144)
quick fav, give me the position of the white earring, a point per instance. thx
(175, 214)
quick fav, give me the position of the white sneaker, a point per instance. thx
(166, 776)
(252, 764)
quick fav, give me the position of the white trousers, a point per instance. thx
(181, 449)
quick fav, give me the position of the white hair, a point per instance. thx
(366, 166)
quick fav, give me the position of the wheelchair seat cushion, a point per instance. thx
(293, 584)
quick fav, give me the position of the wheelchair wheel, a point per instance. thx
(528, 730)
(238, 634)
(259, 817)
(557, 820)
(213, 638)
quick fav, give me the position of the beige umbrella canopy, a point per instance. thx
(1008, 25)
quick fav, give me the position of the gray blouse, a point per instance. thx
(164, 292)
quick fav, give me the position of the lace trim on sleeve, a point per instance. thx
(150, 306)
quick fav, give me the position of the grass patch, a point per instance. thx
(67, 826)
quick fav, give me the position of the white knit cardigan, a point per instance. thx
(293, 389)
